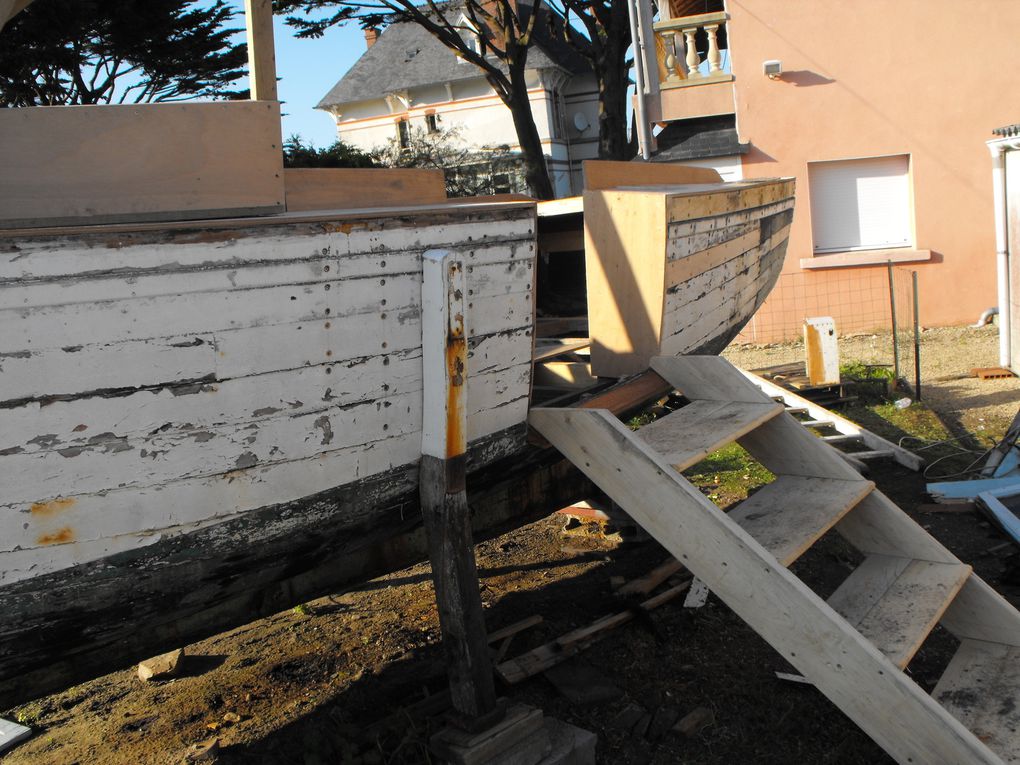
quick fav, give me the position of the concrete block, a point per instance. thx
(570, 745)
(161, 667)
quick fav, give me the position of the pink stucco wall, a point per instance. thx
(926, 78)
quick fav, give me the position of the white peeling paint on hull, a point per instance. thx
(158, 381)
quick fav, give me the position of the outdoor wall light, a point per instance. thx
(773, 69)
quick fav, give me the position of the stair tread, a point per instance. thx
(981, 689)
(895, 602)
(688, 435)
(790, 514)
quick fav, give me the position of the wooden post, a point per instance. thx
(258, 20)
(442, 489)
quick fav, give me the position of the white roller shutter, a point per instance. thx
(860, 204)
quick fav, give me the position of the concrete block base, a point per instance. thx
(523, 737)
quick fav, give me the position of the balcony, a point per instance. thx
(693, 62)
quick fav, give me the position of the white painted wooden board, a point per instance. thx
(161, 380)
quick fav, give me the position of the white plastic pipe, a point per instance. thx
(638, 41)
(1001, 249)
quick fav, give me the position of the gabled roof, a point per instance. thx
(407, 56)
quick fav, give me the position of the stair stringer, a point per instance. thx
(876, 526)
(893, 710)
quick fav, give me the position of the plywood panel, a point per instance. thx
(603, 174)
(99, 164)
(624, 240)
(327, 188)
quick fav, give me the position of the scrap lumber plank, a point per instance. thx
(512, 629)
(645, 584)
(562, 648)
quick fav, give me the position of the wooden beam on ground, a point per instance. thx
(258, 22)
(568, 645)
(443, 491)
(651, 580)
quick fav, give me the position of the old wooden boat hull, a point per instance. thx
(202, 423)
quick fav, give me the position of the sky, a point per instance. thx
(307, 70)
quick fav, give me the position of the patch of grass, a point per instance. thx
(858, 370)
(302, 609)
(29, 714)
(728, 475)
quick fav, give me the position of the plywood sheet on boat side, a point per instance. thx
(605, 174)
(328, 188)
(625, 260)
(96, 164)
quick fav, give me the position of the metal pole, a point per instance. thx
(892, 311)
(917, 340)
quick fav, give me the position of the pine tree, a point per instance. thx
(119, 51)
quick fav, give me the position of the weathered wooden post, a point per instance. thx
(483, 730)
(442, 487)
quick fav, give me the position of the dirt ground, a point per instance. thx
(965, 403)
(336, 680)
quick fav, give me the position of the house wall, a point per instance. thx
(483, 120)
(926, 78)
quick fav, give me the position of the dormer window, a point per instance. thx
(469, 34)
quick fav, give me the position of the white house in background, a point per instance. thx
(407, 79)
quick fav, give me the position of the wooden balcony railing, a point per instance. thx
(677, 42)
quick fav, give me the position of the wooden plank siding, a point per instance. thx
(157, 381)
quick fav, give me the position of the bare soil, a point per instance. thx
(335, 680)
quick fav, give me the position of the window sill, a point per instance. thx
(864, 258)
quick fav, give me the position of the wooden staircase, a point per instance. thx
(854, 646)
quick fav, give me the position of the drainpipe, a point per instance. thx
(998, 152)
(634, 8)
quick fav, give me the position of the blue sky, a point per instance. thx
(308, 69)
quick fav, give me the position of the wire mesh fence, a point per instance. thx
(877, 302)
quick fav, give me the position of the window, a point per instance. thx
(432, 123)
(860, 204)
(469, 34)
(403, 134)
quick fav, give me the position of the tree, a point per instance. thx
(296, 153)
(607, 24)
(467, 172)
(119, 51)
(496, 39)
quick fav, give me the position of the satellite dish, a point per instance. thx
(581, 122)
